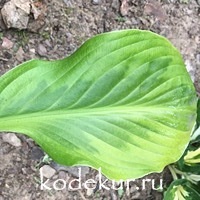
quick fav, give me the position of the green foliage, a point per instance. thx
(120, 19)
(23, 38)
(123, 102)
(182, 190)
(186, 172)
(45, 35)
(184, 1)
(1, 35)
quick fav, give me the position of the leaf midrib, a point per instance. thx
(91, 112)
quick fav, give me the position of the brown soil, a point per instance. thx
(61, 29)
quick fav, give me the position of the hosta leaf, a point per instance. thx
(192, 157)
(182, 190)
(189, 162)
(123, 102)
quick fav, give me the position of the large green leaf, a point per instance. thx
(123, 102)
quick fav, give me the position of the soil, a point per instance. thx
(61, 28)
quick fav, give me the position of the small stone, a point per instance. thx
(36, 12)
(153, 8)
(23, 5)
(90, 192)
(18, 159)
(47, 171)
(20, 54)
(189, 66)
(198, 58)
(124, 8)
(96, 2)
(15, 14)
(32, 51)
(197, 39)
(7, 44)
(12, 139)
(62, 175)
(24, 171)
(190, 69)
(48, 43)
(42, 51)
(68, 3)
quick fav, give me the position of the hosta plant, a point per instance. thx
(123, 102)
(186, 173)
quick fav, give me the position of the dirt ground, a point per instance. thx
(61, 28)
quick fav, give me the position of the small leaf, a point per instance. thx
(182, 190)
(196, 135)
(193, 178)
(192, 168)
(123, 102)
(192, 157)
(180, 193)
